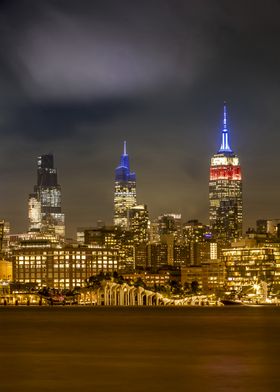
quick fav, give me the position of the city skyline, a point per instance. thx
(139, 203)
(125, 164)
(77, 80)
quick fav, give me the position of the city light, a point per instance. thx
(137, 260)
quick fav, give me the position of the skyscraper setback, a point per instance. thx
(125, 191)
(45, 203)
(225, 190)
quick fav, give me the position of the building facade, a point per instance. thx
(225, 191)
(125, 191)
(210, 276)
(248, 266)
(62, 268)
(139, 224)
(45, 202)
(4, 235)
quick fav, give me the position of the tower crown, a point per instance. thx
(124, 157)
(122, 172)
(225, 147)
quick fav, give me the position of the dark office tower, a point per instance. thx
(139, 224)
(225, 191)
(45, 203)
(125, 192)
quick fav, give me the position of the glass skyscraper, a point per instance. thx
(225, 191)
(45, 203)
(125, 191)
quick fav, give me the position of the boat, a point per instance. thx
(231, 302)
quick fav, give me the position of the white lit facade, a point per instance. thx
(63, 268)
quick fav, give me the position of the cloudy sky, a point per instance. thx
(79, 77)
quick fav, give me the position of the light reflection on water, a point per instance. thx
(139, 349)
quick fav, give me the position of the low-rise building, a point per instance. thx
(6, 276)
(150, 280)
(248, 265)
(209, 275)
(62, 268)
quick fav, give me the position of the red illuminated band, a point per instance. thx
(225, 173)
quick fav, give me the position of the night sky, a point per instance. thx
(79, 77)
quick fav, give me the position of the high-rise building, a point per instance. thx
(269, 226)
(225, 191)
(170, 224)
(125, 191)
(45, 203)
(139, 223)
(198, 240)
(4, 235)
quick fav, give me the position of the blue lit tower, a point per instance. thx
(45, 203)
(125, 191)
(225, 191)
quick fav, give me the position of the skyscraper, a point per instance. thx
(125, 191)
(45, 203)
(225, 191)
(139, 224)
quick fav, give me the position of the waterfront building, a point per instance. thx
(6, 271)
(125, 191)
(213, 276)
(44, 205)
(6, 277)
(225, 191)
(61, 267)
(190, 274)
(248, 265)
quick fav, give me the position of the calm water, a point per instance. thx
(138, 349)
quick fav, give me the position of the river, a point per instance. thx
(140, 349)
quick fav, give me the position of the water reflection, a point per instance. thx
(136, 349)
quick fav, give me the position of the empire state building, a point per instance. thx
(225, 191)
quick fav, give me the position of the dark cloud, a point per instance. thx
(60, 120)
(121, 50)
(77, 78)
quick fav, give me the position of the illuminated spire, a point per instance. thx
(225, 136)
(124, 157)
(123, 172)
